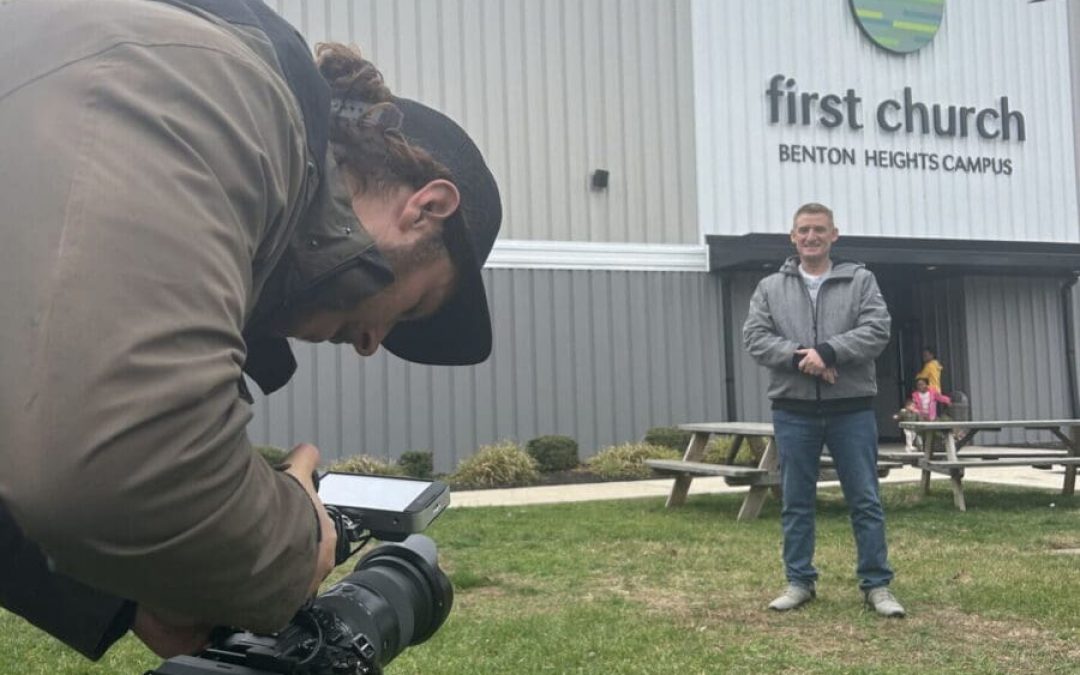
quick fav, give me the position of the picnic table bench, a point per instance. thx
(957, 434)
(761, 479)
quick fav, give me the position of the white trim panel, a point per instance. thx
(566, 255)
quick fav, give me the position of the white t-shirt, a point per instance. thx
(923, 401)
(813, 283)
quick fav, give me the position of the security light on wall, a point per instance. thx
(599, 179)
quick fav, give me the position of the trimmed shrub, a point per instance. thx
(553, 453)
(749, 454)
(367, 465)
(717, 449)
(417, 464)
(627, 461)
(271, 454)
(503, 464)
(668, 437)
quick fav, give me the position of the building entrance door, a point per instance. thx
(897, 364)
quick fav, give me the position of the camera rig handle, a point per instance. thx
(348, 533)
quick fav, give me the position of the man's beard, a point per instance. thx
(405, 259)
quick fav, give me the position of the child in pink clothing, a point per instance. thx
(926, 399)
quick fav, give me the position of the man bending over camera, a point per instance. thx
(184, 187)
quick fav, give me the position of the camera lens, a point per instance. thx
(396, 596)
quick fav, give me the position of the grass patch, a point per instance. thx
(631, 587)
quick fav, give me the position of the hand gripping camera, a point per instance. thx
(396, 596)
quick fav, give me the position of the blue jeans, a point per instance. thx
(852, 441)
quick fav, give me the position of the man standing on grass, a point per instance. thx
(818, 326)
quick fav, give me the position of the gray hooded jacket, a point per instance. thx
(849, 327)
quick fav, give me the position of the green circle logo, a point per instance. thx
(901, 26)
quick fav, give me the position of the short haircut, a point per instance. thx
(933, 352)
(923, 379)
(813, 207)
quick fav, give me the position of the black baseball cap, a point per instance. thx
(459, 333)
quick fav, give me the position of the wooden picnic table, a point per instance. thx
(761, 479)
(958, 433)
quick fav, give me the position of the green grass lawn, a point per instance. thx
(629, 587)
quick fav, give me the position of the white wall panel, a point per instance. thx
(985, 49)
(550, 90)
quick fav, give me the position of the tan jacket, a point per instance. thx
(153, 175)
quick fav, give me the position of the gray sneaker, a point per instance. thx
(884, 602)
(794, 596)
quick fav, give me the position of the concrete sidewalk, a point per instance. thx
(584, 492)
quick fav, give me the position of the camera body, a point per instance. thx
(395, 597)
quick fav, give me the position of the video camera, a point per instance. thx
(395, 597)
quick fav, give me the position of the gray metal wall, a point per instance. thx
(940, 309)
(1073, 7)
(1016, 352)
(550, 90)
(603, 356)
(599, 356)
(751, 380)
(1076, 338)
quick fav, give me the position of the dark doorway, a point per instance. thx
(897, 365)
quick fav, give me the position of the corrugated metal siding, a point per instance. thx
(1074, 57)
(1016, 352)
(550, 90)
(599, 356)
(1076, 339)
(751, 380)
(984, 50)
(939, 308)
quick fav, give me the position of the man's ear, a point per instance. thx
(439, 199)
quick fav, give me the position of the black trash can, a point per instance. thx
(960, 408)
